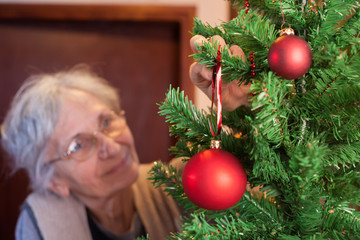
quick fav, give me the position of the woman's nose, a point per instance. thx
(108, 147)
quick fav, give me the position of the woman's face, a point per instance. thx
(113, 163)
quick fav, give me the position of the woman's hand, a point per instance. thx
(232, 95)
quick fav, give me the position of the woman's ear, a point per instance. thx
(59, 187)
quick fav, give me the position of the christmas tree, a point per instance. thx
(299, 140)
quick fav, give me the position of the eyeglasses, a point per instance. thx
(82, 145)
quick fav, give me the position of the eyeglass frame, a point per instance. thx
(94, 139)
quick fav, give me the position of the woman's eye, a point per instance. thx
(106, 123)
(75, 146)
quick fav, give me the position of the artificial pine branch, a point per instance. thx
(168, 177)
(299, 140)
(341, 220)
(253, 33)
(335, 11)
(187, 123)
(235, 223)
(260, 29)
(271, 108)
(336, 111)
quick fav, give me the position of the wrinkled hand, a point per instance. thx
(232, 95)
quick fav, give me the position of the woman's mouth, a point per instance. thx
(122, 165)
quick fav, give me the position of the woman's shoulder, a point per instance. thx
(27, 226)
(176, 163)
(158, 211)
(56, 215)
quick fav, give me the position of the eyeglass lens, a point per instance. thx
(81, 146)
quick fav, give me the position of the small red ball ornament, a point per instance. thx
(289, 56)
(214, 179)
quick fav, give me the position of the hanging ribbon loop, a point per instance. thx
(216, 87)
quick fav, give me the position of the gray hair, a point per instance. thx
(34, 113)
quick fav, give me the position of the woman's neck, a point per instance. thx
(116, 213)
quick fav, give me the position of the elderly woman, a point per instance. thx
(68, 131)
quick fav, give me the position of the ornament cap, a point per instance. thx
(286, 31)
(215, 144)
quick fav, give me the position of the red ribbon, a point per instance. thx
(216, 84)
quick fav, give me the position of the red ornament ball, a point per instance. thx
(290, 57)
(214, 179)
